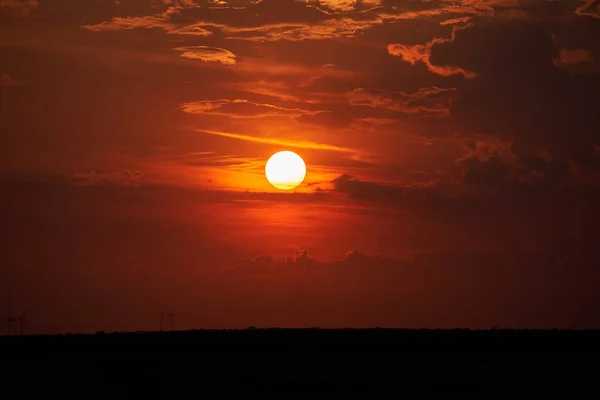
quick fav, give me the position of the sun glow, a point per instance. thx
(285, 170)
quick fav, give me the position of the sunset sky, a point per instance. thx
(452, 152)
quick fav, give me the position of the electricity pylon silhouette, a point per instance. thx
(171, 316)
(10, 319)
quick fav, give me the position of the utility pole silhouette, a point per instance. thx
(171, 316)
(10, 319)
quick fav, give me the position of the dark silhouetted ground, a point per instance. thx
(213, 363)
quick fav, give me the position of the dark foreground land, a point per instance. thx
(303, 361)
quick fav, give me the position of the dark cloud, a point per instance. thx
(521, 94)
(421, 53)
(577, 61)
(398, 196)
(93, 178)
(569, 57)
(440, 289)
(431, 101)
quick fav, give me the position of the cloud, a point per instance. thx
(576, 60)
(436, 283)
(431, 101)
(262, 21)
(344, 6)
(183, 3)
(491, 162)
(272, 88)
(355, 262)
(590, 8)
(291, 20)
(118, 178)
(259, 67)
(422, 53)
(304, 144)
(242, 108)
(454, 21)
(486, 175)
(207, 54)
(568, 57)
(328, 29)
(394, 195)
(469, 9)
(129, 23)
(423, 10)
(8, 80)
(336, 5)
(162, 20)
(528, 100)
(501, 165)
(192, 30)
(22, 6)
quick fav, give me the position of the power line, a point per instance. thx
(10, 319)
(171, 317)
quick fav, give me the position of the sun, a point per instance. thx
(285, 170)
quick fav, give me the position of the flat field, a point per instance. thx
(302, 361)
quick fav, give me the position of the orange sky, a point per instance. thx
(446, 136)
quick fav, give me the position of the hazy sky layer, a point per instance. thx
(452, 151)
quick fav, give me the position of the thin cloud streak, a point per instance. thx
(207, 54)
(590, 8)
(305, 144)
(251, 109)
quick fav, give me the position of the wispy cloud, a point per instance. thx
(273, 88)
(454, 21)
(207, 54)
(333, 28)
(343, 5)
(242, 108)
(128, 23)
(463, 8)
(273, 67)
(269, 21)
(163, 20)
(303, 144)
(591, 8)
(320, 25)
(422, 53)
(431, 101)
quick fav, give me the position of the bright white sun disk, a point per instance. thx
(285, 170)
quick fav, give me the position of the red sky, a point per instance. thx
(452, 151)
